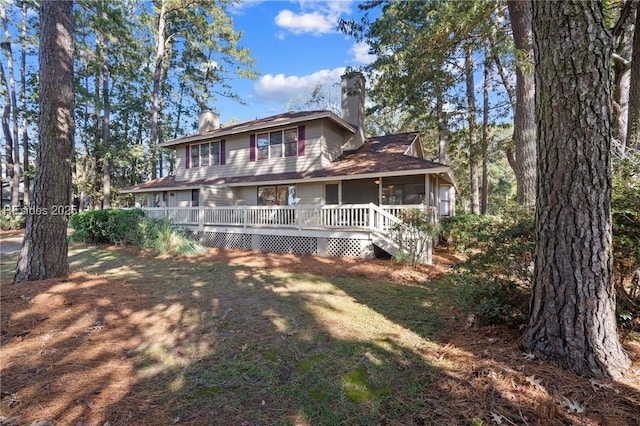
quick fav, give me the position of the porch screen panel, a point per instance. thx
(361, 191)
(331, 193)
(414, 193)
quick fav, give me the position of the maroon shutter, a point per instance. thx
(301, 140)
(223, 152)
(187, 157)
(252, 148)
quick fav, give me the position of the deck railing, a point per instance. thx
(345, 216)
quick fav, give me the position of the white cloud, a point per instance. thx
(239, 7)
(361, 55)
(301, 23)
(315, 17)
(282, 89)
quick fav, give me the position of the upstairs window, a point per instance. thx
(277, 144)
(263, 146)
(195, 155)
(205, 154)
(291, 142)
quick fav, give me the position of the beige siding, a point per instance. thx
(413, 151)
(333, 139)
(238, 164)
(309, 193)
(246, 195)
(217, 196)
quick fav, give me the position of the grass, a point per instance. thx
(206, 341)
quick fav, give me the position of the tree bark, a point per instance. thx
(442, 128)
(44, 248)
(572, 314)
(155, 99)
(26, 179)
(106, 112)
(633, 122)
(524, 123)
(11, 86)
(484, 199)
(6, 131)
(473, 131)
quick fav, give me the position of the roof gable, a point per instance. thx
(379, 155)
(285, 119)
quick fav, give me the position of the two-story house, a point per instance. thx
(307, 182)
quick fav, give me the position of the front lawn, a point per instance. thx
(247, 338)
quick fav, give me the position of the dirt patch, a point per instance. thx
(10, 242)
(122, 342)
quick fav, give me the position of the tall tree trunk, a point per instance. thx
(98, 144)
(572, 317)
(484, 200)
(26, 179)
(524, 123)
(511, 156)
(44, 248)
(106, 111)
(6, 131)
(633, 123)
(155, 99)
(473, 131)
(442, 139)
(11, 90)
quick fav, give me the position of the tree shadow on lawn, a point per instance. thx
(251, 338)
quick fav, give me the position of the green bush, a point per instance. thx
(625, 208)
(108, 226)
(495, 282)
(131, 227)
(414, 235)
(163, 237)
(10, 220)
(466, 231)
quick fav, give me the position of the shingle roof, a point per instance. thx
(262, 123)
(381, 154)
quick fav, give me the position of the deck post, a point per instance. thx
(296, 217)
(245, 219)
(371, 220)
(200, 218)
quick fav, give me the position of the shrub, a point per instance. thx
(625, 206)
(12, 220)
(414, 235)
(131, 227)
(495, 282)
(163, 237)
(108, 226)
(466, 231)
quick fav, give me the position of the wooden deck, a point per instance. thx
(332, 230)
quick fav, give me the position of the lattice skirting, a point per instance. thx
(288, 244)
(348, 247)
(226, 240)
(337, 247)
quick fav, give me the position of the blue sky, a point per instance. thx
(296, 46)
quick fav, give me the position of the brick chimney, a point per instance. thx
(353, 84)
(208, 121)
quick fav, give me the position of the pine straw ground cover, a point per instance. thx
(245, 338)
